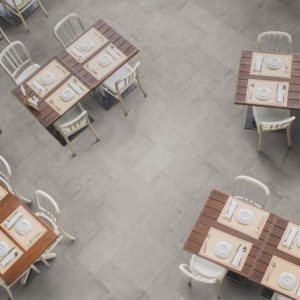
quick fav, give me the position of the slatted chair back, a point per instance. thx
(124, 83)
(4, 36)
(5, 170)
(274, 126)
(275, 41)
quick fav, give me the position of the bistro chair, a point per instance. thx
(17, 7)
(17, 62)
(275, 41)
(272, 119)
(5, 175)
(250, 190)
(119, 82)
(4, 36)
(68, 29)
(277, 296)
(73, 121)
(204, 271)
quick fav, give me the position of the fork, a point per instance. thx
(272, 268)
(251, 89)
(52, 102)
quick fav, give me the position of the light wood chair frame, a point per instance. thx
(274, 38)
(4, 35)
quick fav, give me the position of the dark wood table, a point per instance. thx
(262, 250)
(46, 114)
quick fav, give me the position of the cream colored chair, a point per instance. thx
(275, 41)
(277, 296)
(272, 119)
(120, 81)
(250, 190)
(4, 36)
(17, 62)
(204, 271)
(68, 29)
(73, 121)
(17, 7)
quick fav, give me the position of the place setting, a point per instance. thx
(290, 241)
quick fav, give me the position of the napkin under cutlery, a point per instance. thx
(38, 86)
(9, 257)
(231, 209)
(238, 257)
(280, 93)
(77, 53)
(258, 62)
(74, 86)
(291, 236)
(298, 290)
(11, 222)
(113, 53)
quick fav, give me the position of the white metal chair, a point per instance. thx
(250, 190)
(204, 271)
(6, 174)
(17, 7)
(277, 296)
(17, 62)
(120, 81)
(272, 119)
(68, 29)
(4, 36)
(275, 41)
(73, 121)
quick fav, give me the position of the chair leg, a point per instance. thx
(123, 104)
(218, 289)
(23, 20)
(260, 137)
(102, 91)
(289, 135)
(141, 87)
(92, 129)
(7, 289)
(43, 8)
(70, 145)
(190, 282)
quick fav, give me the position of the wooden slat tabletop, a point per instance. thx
(9, 204)
(244, 74)
(263, 248)
(46, 114)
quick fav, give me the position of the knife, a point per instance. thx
(228, 209)
(233, 212)
(10, 250)
(236, 251)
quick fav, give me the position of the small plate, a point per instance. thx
(23, 227)
(67, 95)
(47, 78)
(104, 60)
(86, 45)
(263, 93)
(274, 63)
(223, 249)
(286, 280)
(3, 248)
(244, 216)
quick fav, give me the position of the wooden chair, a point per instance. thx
(120, 81)
(4, 36)
(68, 29)
(17, 62)
(277, 296)
(204, 271)
(17, 7)
(250, 190)
(272, 119)
(73, 121)
(275, 41)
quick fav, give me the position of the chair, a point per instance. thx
(17, 7)
(277, 296)
(4, 36)
(272, 119)
(73, 121)
(6, 174)
(17, 62)
(204, 271)
(118, 83)
(68, 29)
(250, 190)
(275, 41)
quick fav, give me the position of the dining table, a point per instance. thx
(249, 241)
(268, 79)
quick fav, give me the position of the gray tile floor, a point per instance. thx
(132, 199)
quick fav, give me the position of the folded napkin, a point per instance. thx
(11, 222)
(230, 210)
(291, 236)
(113, 53)
(298, 290)
(280, 93)
(74, 86)
(23, 89)
(258, 62)
(77, 53)
(9, 257)
(238, 257)
(39, 86)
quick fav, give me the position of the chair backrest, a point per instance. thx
(68, 29)
(15, 58)
(6, 185)
(250, 190)
(276, 41)
(128, 80)
(198, 277)
(4, 35)
(273, 126)
(17, 4)
(5, 170)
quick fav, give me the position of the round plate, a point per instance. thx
(274, 63)
(244, 216)
(47, 78)
(286, 280)
(104, 60)
(86, 45)
(67, 95)
(263, 93)
(23, 227)
(223, 249)
(3, 248)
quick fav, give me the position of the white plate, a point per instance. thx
(274, 63)
(223, 249)
(67, 95)
(104, 60)
(23, 227)
(263, 93)
(47, 78)
(244, 216)
(286, 280)
(86, 45)
(3, 248)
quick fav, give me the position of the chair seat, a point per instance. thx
(25, 74)
(205, 267)
(20, 3)
(119, 74)
(74, 112)
(277, 296)
(264, 114)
